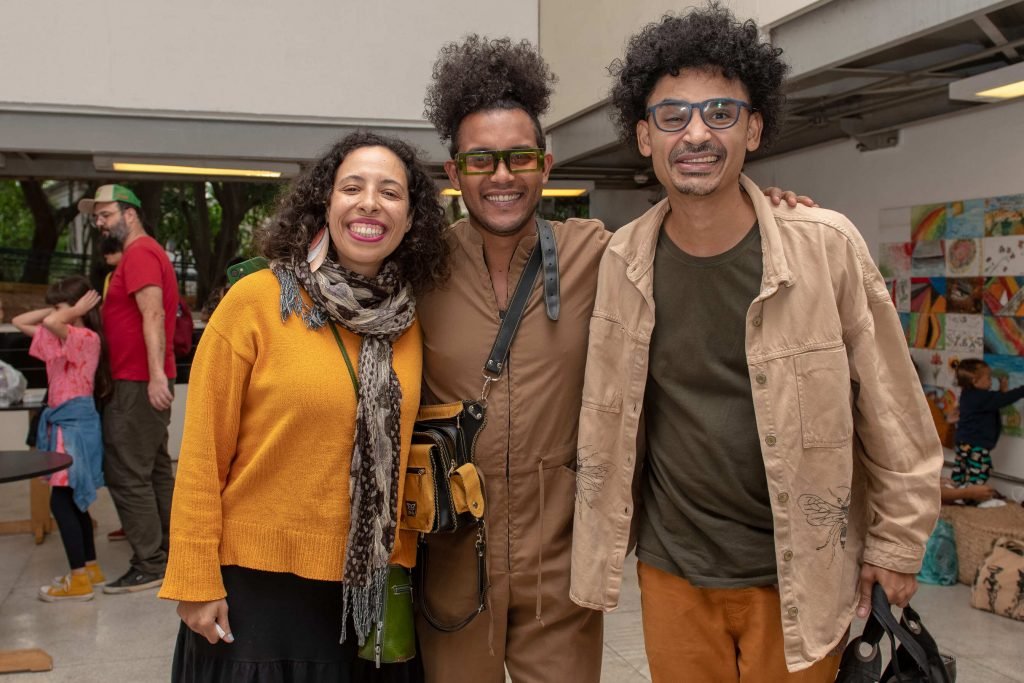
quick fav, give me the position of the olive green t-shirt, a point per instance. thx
(706, 515)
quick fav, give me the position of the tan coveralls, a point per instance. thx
(526, 453)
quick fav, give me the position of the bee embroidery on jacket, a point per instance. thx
(590, 476)
(820, 512)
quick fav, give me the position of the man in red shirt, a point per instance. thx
(138, 322)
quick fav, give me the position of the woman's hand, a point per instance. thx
(777, 195)
(205, 617)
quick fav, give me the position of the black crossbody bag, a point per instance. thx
(444, 489)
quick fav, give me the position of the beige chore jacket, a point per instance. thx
(850, 452)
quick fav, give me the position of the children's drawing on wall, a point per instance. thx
(1004, 296)
(1003, 256)
(899, 290)
(1004, 335)
(965, 219)
(965, 333)
(928, 295)
(894, 259)
(928, 222)
(964, 294)
(963, 257)
(928, 259)
(1004, 215)
(926, 331)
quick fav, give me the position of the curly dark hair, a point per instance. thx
(704, 38)
(481, 74)
(422, 256)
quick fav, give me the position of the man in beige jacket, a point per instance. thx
(786, 460)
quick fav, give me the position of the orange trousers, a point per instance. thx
(717, 635)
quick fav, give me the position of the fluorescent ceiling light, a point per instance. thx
(991, 86)
(192, 170)
(546, 192)
(196, 167)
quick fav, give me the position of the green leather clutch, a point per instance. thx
(393, 639)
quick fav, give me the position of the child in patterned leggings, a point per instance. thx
(978, 429)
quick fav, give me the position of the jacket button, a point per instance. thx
(788, 555)
(783, 497)
(770, 439)
(757, 321)
(792, 612)
(761, 379)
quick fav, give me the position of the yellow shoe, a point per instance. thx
(96, 576)
(74, 587)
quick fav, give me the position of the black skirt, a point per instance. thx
(286, 630)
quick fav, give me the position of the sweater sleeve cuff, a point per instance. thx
(193, 572)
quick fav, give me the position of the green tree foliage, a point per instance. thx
(16, 225)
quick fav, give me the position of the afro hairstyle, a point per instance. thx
(480, 74)
(708, 38)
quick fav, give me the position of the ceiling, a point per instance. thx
(867, 98)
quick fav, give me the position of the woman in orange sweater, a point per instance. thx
(286, 507)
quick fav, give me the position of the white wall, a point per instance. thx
(618, 207)
(580, 40)
(973, 154)
(334, 58)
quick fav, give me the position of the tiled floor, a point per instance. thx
(129, 638)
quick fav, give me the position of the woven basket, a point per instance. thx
(977, 528)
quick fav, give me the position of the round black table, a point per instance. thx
(17, 465)
(14, 466)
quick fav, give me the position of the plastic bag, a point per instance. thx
(940, 566)
(12, 385)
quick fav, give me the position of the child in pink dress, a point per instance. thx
(67, 337)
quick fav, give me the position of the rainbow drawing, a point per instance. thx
(928, 222)
(1004, 335)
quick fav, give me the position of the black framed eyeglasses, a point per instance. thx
(485, 162)
(718, 113)
(105, 215)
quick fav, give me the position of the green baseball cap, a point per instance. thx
(110, 193)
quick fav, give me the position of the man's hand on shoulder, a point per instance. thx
(160, 396)
(777, 195)
(899, 588)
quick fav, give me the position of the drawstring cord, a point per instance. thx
(540, 545)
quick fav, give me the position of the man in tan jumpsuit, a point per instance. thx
(487, 95)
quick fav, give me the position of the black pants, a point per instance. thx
(75, 527)
(286, 630)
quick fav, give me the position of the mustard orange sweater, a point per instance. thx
(263, 474)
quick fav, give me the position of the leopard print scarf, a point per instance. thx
(378, 309)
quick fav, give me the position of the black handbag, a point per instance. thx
(915, 659)
(444, 490)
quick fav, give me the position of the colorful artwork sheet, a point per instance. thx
(965, 219)
(1003, 256)
(1004, 296)
(944, 404)
(965, 333)
(928, 295)
(927, 331)
(1004, 335)
(1004, 215)
(928, 259)
(894, 259)
(927, 222)
(964, 294)
(934, 367)
(963, 258)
